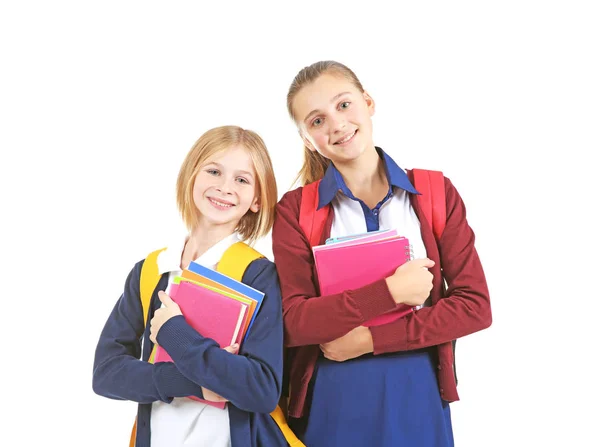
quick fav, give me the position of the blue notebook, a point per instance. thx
(238, 286)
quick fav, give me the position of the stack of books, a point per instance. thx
(351, 262)
(216, 306)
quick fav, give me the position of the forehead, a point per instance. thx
(319, 93)
(235, 157)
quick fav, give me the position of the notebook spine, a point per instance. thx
(409, 252)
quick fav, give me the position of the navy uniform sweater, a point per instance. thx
(251, 380)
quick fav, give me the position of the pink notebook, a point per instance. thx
(211, 314)
(357, 239)
(348, 267)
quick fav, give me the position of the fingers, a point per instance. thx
(425, 262)
(165, 299)
(330, 355)
(212, 396)
(233, 349)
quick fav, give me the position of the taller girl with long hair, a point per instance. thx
(386, 385)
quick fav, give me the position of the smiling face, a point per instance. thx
(334, 118)
(225, 188)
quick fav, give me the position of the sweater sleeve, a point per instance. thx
(250, 380)
(311, 319)
(466, 307)
(118, 371)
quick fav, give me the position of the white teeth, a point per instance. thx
(347, 138)
(220, 203)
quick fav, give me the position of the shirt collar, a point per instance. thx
(169, 260)
(333, 181)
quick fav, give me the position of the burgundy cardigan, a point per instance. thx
(310, 319)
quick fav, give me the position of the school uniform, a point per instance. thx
(251, 380)
(400, 394)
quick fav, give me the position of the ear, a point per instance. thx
(370, 103)
(255, 205)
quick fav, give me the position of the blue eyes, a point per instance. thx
(215, 172)
(318, 121)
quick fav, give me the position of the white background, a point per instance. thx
(100, 102)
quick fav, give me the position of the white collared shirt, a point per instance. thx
(186, 422)
(396, 212)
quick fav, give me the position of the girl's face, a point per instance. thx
(226, 188)
(334, 118)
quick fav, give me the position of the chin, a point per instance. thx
(348, 155)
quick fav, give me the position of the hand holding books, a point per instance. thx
(215, 305)
(168, 311)
(350, 262)
(412, 282)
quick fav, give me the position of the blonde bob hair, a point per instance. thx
(252, 226)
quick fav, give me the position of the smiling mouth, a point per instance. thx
(219, 204)
(346, 139)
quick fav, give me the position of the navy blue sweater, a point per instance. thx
(251, 381)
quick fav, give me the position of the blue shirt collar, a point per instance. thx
(333, 181)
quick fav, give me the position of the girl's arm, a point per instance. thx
(118, 371)
(466, 308)
(250, 380)
(311, 319)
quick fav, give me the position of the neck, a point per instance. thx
(365, 176)
(201, 239)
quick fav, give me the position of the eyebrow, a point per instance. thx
(334, 99)
(220, 166)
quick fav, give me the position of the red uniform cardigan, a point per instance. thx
(311, 319)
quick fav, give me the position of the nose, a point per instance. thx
(338, 122)
(225, 185)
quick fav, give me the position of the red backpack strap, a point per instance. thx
(432, 198)
(312, 221)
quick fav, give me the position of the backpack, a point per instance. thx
(233, 263)
(432, 202)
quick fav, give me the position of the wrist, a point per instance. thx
(393, 288)
(368, 340)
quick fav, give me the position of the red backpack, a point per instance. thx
(432, 201)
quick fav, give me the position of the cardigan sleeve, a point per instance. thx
(466, 307)
(250, 380)
(310, 319)
(118, 371)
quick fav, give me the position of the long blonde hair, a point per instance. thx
(315, 164)
(252, 226)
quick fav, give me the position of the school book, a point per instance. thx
(247, 301)
(348, 267)
(231, 283)
(360, 237)
(211, 314)
(214, 285)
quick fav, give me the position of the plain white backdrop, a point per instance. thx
(100, 102)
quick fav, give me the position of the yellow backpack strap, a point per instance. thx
(236, 260)
(148, 281)
(287, 432)
(234, 263)
(149, 278)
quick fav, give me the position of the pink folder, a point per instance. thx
(349, 267)
(213, 315)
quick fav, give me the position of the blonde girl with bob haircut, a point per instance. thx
(253, 225)
(388, 384)
(226, 194)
